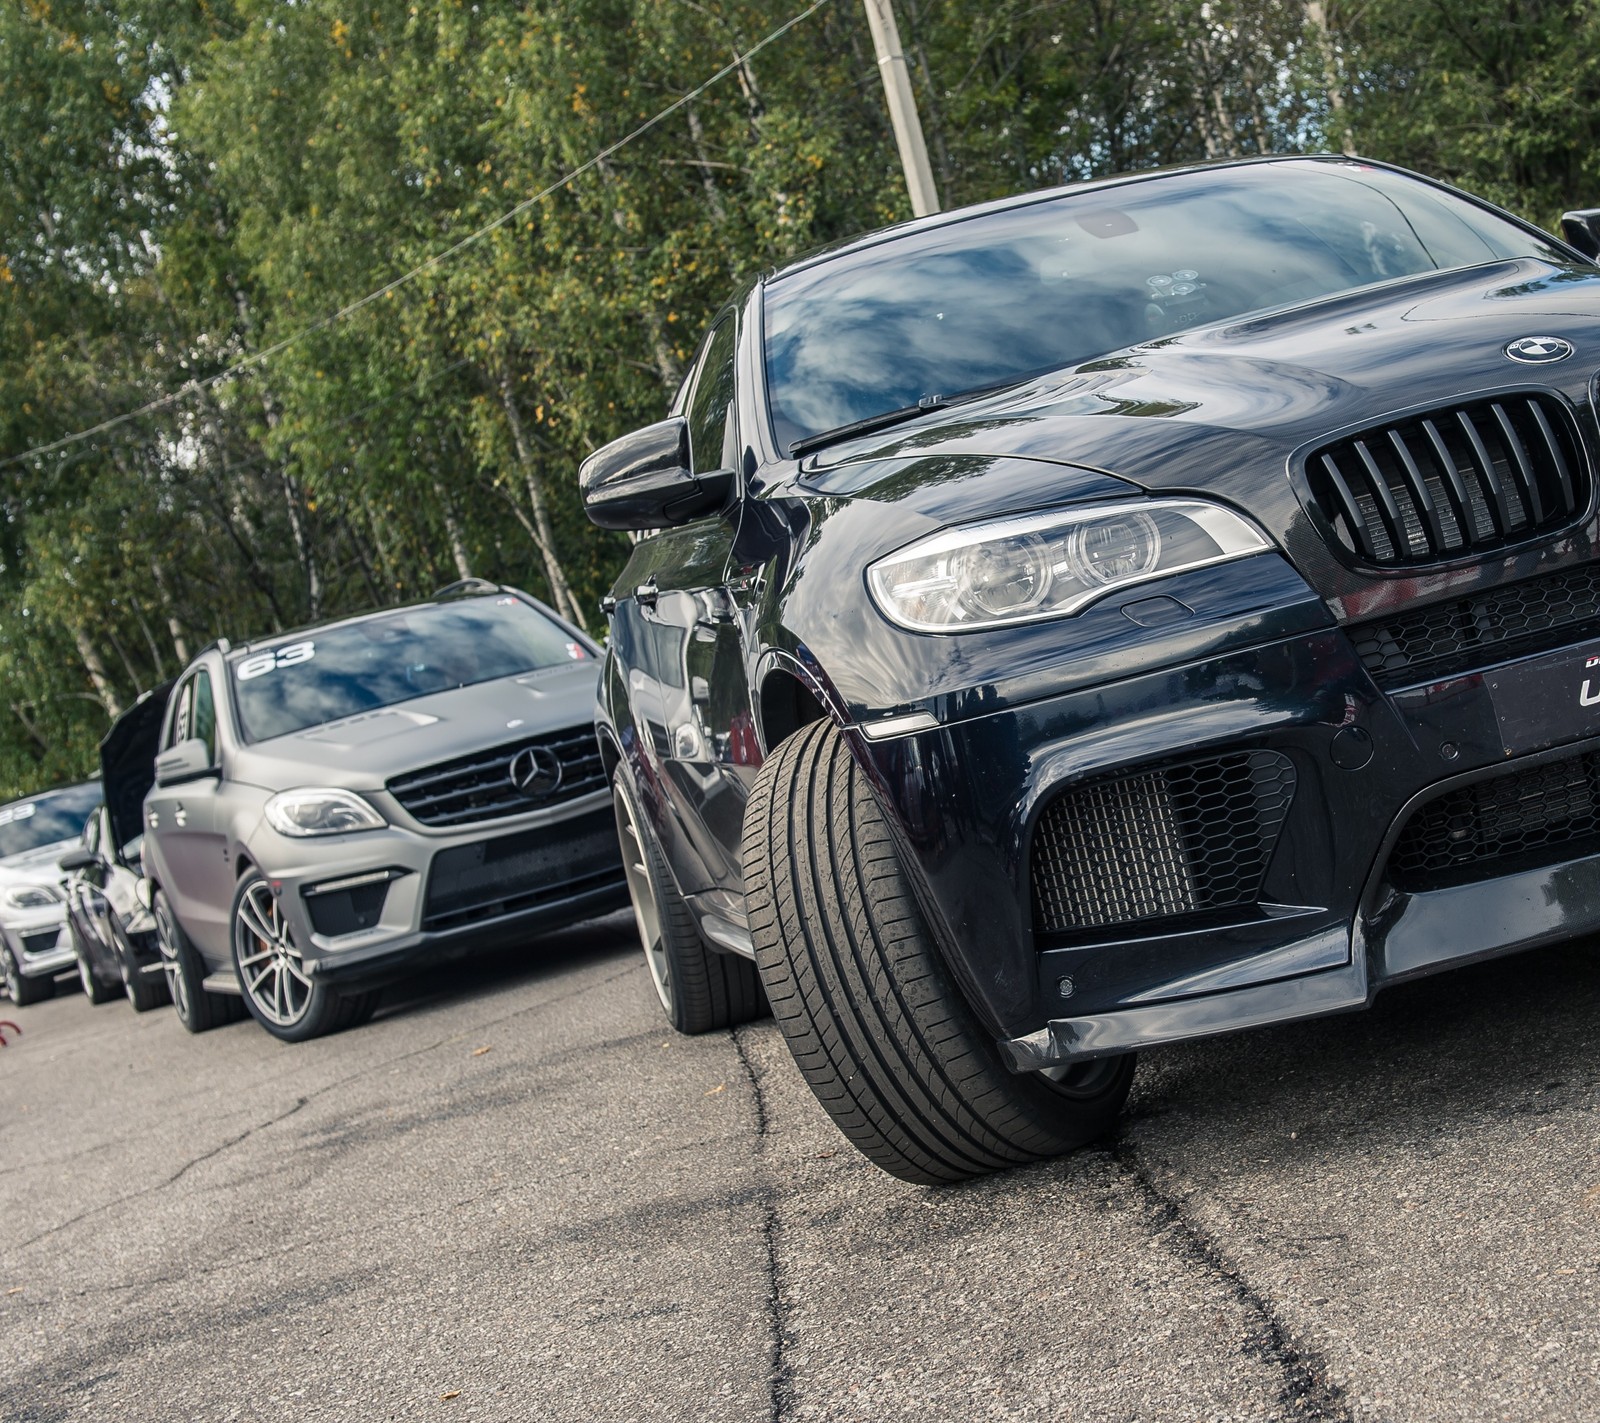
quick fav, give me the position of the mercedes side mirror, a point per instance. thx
(1581, 228)
(187, 761)
(75, 860)
(646, 480)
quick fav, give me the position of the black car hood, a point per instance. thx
(1221, 411)
(128, 761)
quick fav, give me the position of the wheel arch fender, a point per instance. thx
(790, 692)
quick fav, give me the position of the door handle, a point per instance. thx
(647, 593)
(608, 605)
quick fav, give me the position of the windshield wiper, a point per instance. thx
(897, 417)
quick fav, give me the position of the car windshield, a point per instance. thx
(46, 819)
(997, 298)
(337, 672)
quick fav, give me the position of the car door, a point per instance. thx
(86, 886)
(185, 822)
(677, 635)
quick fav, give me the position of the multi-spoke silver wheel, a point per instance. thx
(270, 968)
(641, 892)
(167, 946)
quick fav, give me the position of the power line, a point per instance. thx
(344, 312)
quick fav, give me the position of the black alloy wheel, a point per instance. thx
(876, 1023)
(700, 989)
(287, 1001)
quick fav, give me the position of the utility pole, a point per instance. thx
(902, 107)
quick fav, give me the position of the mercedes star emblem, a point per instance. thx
(1539, 350)
(535, 771)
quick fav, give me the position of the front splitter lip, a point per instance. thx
(1066, 1040)
(1418, 935)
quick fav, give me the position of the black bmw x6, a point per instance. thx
(1110, 617)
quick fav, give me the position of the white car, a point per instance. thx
(35, 833)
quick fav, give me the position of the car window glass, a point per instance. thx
(178, 724)
(1004, 296)
(46, 819)
(330, 673)
(709, 422)
(203, 715)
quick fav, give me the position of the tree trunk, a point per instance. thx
(127, 663)
(543, 535)
(29, 726)
(96, 669)
(174, 628)
(697, 136)
(452, 529)
(1317, 15)
(149, 638)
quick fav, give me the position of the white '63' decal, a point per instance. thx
(264, 662)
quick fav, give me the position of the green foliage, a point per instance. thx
(185, 184)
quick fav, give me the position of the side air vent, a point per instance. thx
(1160, 844)
(1447, 483)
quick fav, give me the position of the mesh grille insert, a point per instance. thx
(1160, 844)
(1492, 626)
(1520, 820)
(1454, 481)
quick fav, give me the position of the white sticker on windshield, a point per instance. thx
(18, 812)
(264, 662)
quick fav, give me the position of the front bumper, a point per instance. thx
(1332, 920)
(38, 940)
(368, 908)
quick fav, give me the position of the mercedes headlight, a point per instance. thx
(319, 811)
(1034, 566)
(30, 896)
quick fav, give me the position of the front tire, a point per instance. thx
(880, 1031)
(144, 991)
(198, 1010)
(23, 990)
(700, 989)
(95, 991)
(280, 994)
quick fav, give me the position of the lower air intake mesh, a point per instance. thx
(1171, 841)
(1538, 815)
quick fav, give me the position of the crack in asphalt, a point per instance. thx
(781, 1375)
(305, 1100)
(161, 1185)
(1306, 1391)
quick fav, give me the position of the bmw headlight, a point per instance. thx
(321, 811)
(1034, 566)
(30, 896)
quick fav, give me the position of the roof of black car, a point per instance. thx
(862, 241)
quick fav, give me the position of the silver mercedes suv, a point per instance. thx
(335, 806)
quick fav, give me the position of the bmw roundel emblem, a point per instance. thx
(535, 772)
(1539, 350)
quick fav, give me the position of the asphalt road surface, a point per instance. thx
(516, 1195)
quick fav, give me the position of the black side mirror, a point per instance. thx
(75, 860)
(1582, 230)
(645, 480)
